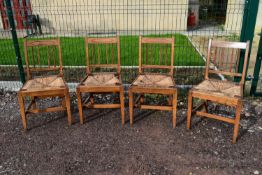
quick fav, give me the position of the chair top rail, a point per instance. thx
(145, 40)
(112, 40)
(52, 42)
(226, 44)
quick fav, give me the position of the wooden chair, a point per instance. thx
(101, 53)
(222, 60)
(154, 83)
(51, 85)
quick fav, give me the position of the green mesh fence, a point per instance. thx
(191, 23)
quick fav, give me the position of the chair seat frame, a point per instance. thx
(236, 102)
(33, 94)
(171, 92)
(89, 103)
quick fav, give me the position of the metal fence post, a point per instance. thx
(257, 69)
(15, 40)
(248, 28)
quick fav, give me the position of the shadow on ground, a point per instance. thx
(102, 146)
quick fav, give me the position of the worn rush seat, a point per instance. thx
(154, 83)
(219, 88)
(44, 86)
(154, 80)
(44, 83)
(97, 82)
(101, 79)
(225, 57)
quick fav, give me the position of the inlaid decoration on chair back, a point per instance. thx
(223, 58)
(156, 54)
(103, 54)
(43, 56)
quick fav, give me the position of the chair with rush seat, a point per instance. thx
(161, 59)
(102, 54)
(45, 85)
(222, 60)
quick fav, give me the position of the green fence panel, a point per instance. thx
(11, 22)
(256, 89)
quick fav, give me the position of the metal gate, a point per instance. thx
(256, 87)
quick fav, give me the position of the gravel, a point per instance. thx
(152, 146)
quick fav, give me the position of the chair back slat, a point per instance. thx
(38, 56)
(223, 58)
(107, 54)
(238, 56)
(166, 55)
(160, 55)
(153, 54)
(112, 56)
(53, 53)
(33, 57)
(44, 51)
(232, 60)
(215, 56)
(98, 53)
(147, 55)
(48, 57)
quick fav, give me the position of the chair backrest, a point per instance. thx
(161, 55)
(223, 58)
(43, 56)
(102, 53)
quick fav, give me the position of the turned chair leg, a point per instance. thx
(189, 110)
(142, 99)
(170, 98)
(122, 104)
(206, 105)
(33, 102)
(68, 108)
(80, 107)
(63, 103)
(92, 98)
(131, 107)
(174, 108)
(22, 110)
(237, 119)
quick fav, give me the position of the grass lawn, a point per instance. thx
(73, 51)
